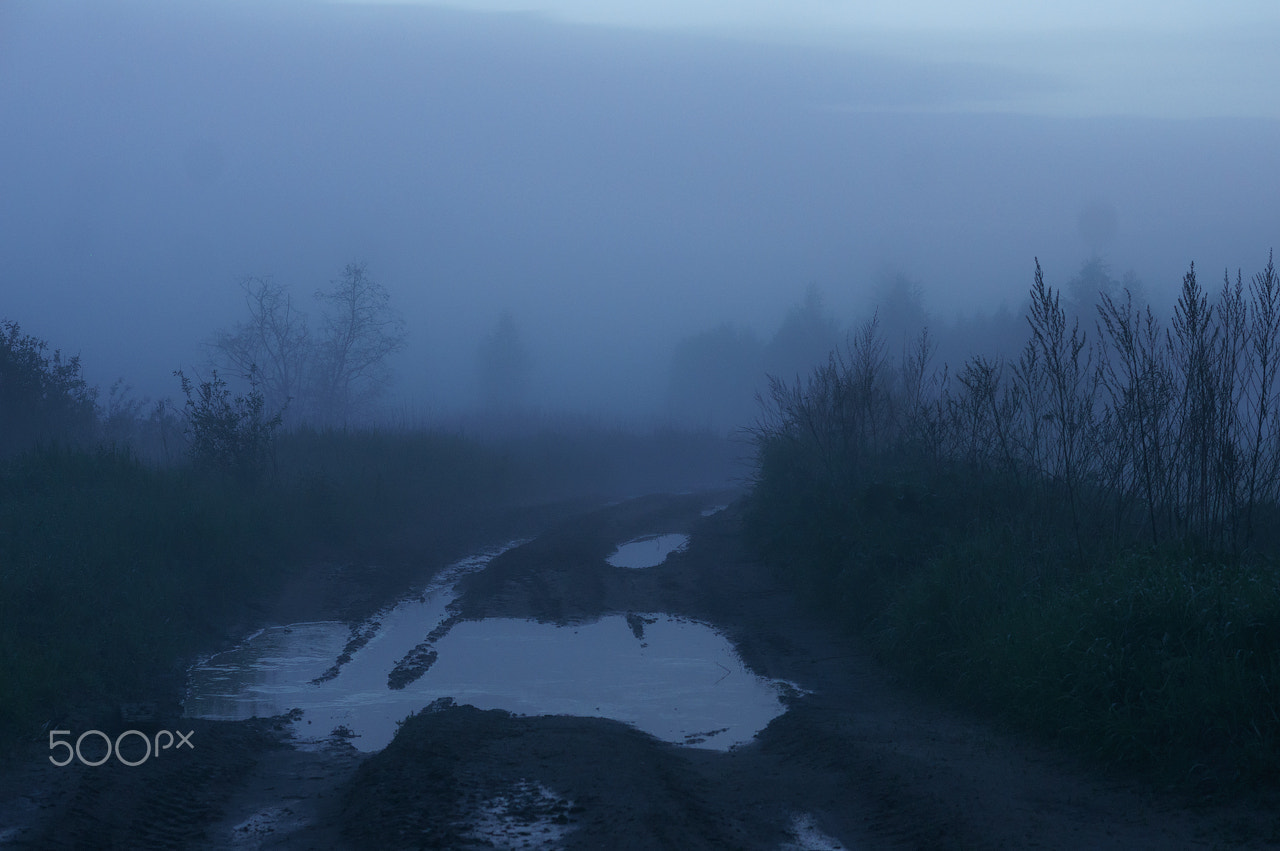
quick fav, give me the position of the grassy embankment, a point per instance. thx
(1082, 541)
(113, 572)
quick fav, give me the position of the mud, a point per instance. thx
(858, 760)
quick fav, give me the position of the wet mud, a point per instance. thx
(856, 761)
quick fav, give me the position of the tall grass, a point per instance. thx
(1081, 536)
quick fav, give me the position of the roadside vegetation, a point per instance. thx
(1081, 539)
(133, 537)
(113, 571)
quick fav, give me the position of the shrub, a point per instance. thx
(1081, 539)
(43, 398)
(228, 435)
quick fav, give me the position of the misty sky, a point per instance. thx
(1180, 58)
(617, 176)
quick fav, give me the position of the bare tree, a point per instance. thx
(274, 346)
(327, 377)
(361, 330)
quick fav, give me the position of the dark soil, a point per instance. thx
(868, 762)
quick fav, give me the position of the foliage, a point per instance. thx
(150, 430)
(225, 434)
(43, 398)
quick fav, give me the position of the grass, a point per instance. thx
(1160, 663)
(111, 569)
(1078, 542)
(1166, 662)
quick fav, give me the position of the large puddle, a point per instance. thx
(679, 680)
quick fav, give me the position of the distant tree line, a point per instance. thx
(327, 376)
(715, 375)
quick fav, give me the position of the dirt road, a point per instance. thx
(857, 762)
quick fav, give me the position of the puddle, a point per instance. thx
(649, 551)
(809, 838)
(678, 680)
(715, 509)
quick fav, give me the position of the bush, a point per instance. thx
(228, 435)
(43, 398)
(1082, 539)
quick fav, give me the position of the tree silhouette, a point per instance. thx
(715, 376)
(361, 330)
(274, 345)
(43, 397)
(326, 378)
(504, 366)
(805, 339)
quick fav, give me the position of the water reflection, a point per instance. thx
(679, 680)
(649, 551)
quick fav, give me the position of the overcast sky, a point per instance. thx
(853, 16)
(1179, 58)
(617, 177)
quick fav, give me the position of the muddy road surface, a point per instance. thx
(851, 760)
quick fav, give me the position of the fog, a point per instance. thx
(612, 187)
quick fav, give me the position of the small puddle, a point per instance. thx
(808, 837)
(676, 679)
(649, 551)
